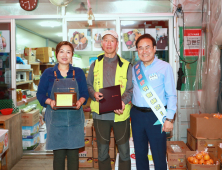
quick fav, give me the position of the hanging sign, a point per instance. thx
(192, 42)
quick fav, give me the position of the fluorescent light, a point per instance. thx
(50, 24)
(124, 23)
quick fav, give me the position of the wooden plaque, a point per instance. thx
(65, 100)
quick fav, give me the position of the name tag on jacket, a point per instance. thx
(153, 76)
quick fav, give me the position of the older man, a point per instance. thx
(109, 70)
(153, 91)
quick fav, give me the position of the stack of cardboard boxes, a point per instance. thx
(112, 150)
(204, 133)
(44, 54)
(85, 154)
(30, 130)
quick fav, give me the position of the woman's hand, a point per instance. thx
(80, 102)
(51, 103)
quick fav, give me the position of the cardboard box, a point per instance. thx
(111, 153)
(201, 167)
(86, 152)
(201, 143)
(111, 133)
(219, 152)
(87, 115)
(96, 164)
(30, 55)
(30, 118)
(176, 154)
(44, 54)
(28, 132)
(85, 162)
(88, 127)
(3, 141)
(205, 126)
(111, 143)
(88, 141)
(31, 144)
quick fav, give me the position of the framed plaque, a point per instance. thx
(65, 100)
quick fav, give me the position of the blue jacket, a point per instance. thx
(47, 80)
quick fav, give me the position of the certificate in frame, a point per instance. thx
(65, 100)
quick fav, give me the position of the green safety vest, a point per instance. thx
(120, 79)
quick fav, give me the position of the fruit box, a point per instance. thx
(28, 132)
(201, 167)
(176, 154)
(205, 126)
(30, 118)
(86, 162)
(88, 141)
(3, 141)
(31, 144)
(219, 152)
(44, 54)
(201, 143)
(85, 152)
(88, 127)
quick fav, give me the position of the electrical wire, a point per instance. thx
(186, 62)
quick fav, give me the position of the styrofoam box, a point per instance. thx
(30, 131)
(30, 144)
(43, 133)
(22, 66)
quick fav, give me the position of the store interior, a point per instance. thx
(188, 38)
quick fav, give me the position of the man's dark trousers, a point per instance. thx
(143, 132)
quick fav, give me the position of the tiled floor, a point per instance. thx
(41, 163)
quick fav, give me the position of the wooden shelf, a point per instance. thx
(36, 77)
(28, 100)
(37, 63)
(47, 64)
(24, 82)
(23, 69)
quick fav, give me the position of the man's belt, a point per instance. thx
(145, 109)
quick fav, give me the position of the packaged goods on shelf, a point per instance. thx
(3, 141)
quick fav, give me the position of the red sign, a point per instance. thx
(192, 42)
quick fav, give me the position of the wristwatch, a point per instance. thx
(170, 120)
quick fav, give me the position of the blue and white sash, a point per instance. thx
(150, 95)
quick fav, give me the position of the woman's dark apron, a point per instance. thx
(65, 127)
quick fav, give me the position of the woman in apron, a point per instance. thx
(65, 127)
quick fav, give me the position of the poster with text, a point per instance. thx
(5, 41)
(161, 39)
(192, 42)
(129, 38)
(80, 39)
(97, 38)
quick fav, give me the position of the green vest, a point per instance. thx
(120, 79)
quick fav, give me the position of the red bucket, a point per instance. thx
(7, 111)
